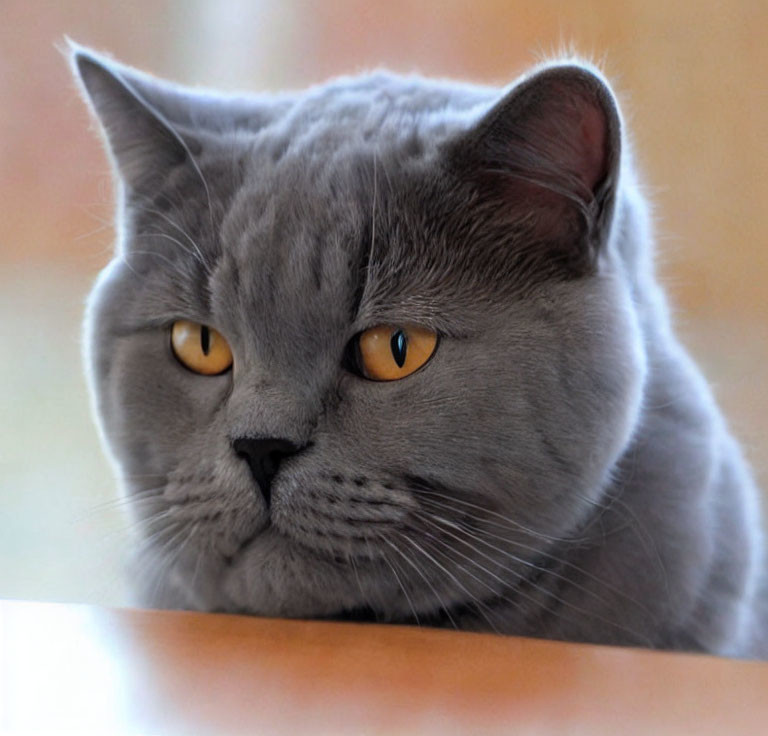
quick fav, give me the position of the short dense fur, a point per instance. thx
(558, 469)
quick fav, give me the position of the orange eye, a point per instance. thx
(200, 348)
(388, 353)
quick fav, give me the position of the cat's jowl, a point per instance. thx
(393, 349)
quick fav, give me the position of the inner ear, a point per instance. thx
(548, 154)
(591, 153)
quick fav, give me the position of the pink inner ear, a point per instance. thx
(592, 167)
(567, 125)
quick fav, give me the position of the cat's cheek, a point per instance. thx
(630, 365)
(157, 404)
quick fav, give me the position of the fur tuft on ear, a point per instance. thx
(549, 154)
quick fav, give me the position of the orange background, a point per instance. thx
(692, 79)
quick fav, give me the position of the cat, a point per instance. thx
(392, 349)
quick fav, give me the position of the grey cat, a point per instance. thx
(392, 349)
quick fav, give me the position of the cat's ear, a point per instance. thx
(133, 110)
(547, 155)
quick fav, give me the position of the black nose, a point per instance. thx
(263, 457)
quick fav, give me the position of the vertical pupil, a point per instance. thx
(399, 345)
(205, 339)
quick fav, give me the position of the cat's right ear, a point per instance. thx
(141, 140)
(545, 160)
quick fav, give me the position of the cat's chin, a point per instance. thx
(271, 575)
(274, 576)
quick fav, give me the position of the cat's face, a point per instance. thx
(293, 226)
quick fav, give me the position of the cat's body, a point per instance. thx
(558, 468)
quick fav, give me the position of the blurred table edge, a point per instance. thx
(84, 669)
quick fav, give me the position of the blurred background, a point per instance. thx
(692, 82)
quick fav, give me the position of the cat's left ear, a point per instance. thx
(138, 116)
(546, 157)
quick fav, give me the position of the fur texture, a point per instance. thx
(558, 469)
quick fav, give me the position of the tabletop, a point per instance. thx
(82, 669)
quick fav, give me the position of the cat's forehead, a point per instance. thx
(309, 213)
(337, 123)
(314, 187)
(289, 255)
(379, 107)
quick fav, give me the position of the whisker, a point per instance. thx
(476, 601)
(152, 253)
(509, 523)
(159, 556)
(549, 556)
(517, 591)
(402, 587)
(196, 254)
(472, 597)
(425, 579)
(119, 502)
(184, 233)
(561, 600)
(180, 140)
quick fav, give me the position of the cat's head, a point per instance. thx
(279, 255)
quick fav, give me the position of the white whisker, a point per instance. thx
(426, 580)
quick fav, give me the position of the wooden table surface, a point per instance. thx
(79, 669)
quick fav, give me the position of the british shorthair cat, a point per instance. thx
(392, 349)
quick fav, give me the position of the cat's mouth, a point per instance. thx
(229, 559)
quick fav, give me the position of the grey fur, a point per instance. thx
(558, 469)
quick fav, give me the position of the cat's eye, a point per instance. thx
(200, 348)
(391, 352)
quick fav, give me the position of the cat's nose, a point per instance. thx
(263, 457)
